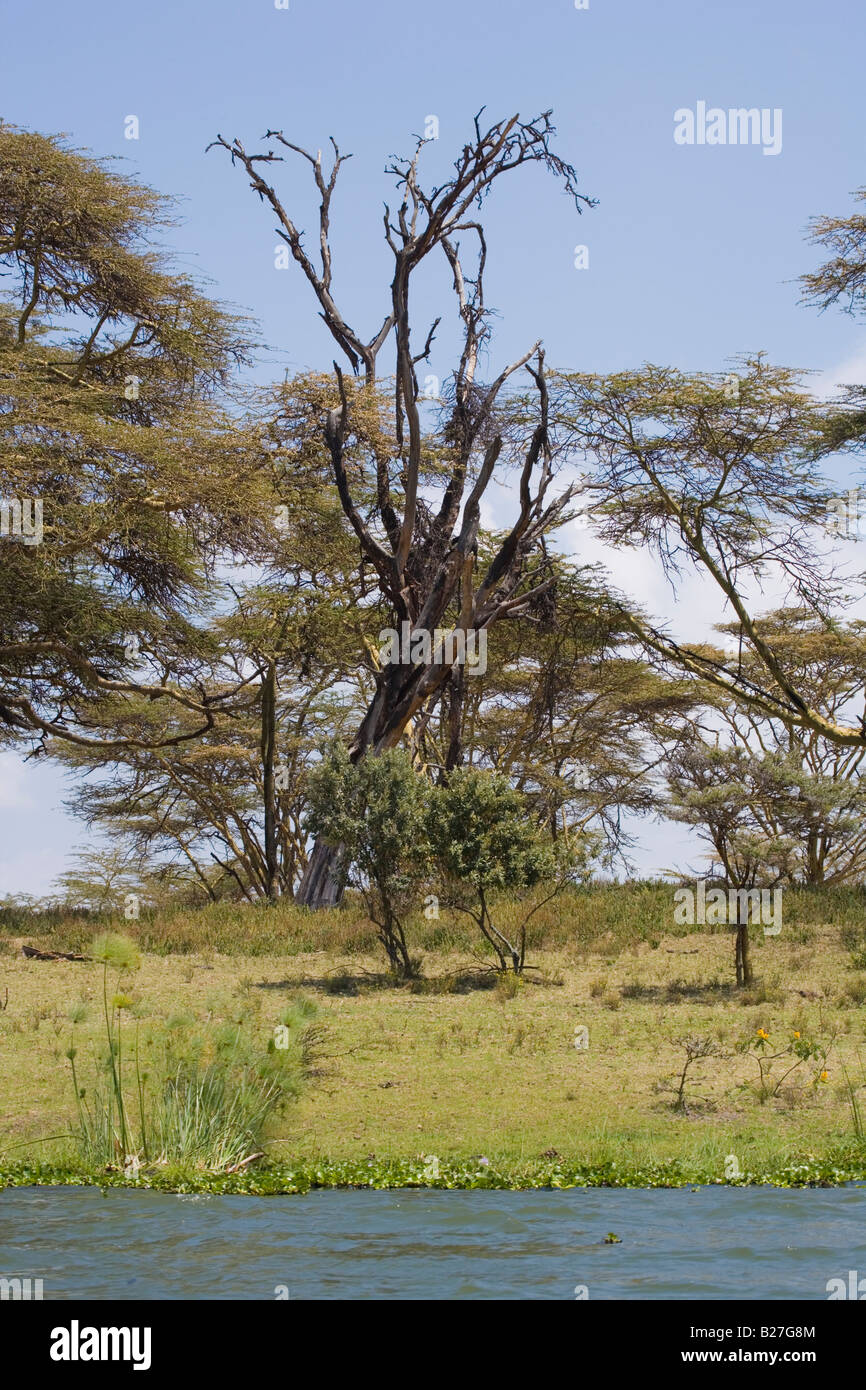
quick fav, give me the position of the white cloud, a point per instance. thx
(850, 372)
(692, 607)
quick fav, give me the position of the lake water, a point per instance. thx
(713, 1242)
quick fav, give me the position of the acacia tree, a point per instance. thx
(235, 796)
(841, 282)
(713, 790)
(718, 472)
(724, 483)
(423, 550)
(795, 787)
(100, 879)
(202, 805)
(566, 712)
(114, 432)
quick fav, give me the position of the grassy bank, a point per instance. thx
(597, 916)
(483, 1077)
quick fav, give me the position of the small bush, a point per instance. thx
(508, 986)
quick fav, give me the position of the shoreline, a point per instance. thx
(837, 1169)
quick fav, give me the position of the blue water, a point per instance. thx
(713, 1242)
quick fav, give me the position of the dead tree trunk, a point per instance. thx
(426, 559)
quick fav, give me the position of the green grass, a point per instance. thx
(624, 914)
(459, 1067)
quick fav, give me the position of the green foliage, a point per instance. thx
(792, 1053)
(375, 812)
(841, 281)
(482, 836)
(483, 841)
(777, 802)
(110, 362)
(211, 1116)
(837, 1167)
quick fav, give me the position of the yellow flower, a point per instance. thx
(763, 1035)
(825, 1076)
(796, 1035)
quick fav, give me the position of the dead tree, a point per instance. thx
(425, 556)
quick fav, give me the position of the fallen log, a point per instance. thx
(32, 954)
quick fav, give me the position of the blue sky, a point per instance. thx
(692, 249)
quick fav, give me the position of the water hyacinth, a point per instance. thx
(836, 1168)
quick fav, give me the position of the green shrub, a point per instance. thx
(375, 813)
(484, 842)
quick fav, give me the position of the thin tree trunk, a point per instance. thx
(269, 738)
(743, 958)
